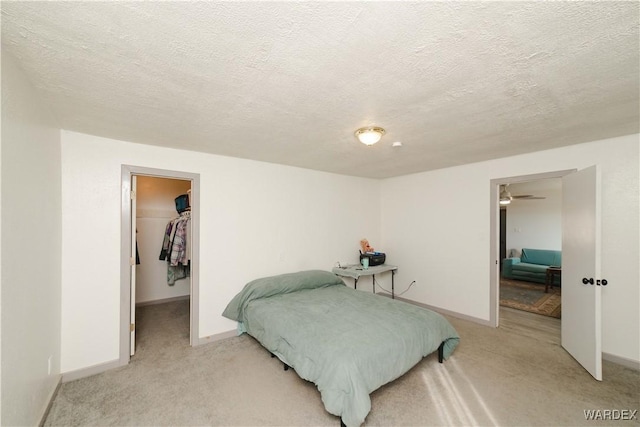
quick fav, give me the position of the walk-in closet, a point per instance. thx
(163, 263)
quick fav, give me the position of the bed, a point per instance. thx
(348, 342)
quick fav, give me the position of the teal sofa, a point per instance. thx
(532, 265)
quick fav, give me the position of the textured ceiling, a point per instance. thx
(289, 82)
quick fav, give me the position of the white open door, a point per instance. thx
(132, 262)
(581, 308)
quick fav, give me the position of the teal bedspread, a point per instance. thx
(347, 342)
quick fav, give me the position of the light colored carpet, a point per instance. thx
(515, 375)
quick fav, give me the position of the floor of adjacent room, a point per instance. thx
(517, 374)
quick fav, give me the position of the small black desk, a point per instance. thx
(355, 271)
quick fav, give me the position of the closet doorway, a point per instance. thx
(151, 200)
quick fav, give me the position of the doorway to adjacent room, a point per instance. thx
(581, 329)
(531, 224)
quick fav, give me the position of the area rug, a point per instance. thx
(530, 297)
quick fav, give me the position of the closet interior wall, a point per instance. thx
(155, 201)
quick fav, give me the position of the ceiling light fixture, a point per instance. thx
(369, 135)
(505, 196)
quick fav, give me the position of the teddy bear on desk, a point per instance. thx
(372, 257)
(365, 247)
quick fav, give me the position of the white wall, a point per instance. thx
(436, 227)
(155, 202)
(256, 219)
(535, 223)
(31, 232)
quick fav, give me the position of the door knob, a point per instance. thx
(585, 280)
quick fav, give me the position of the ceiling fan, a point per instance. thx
(506, 197)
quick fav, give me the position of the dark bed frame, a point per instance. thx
(440, 360)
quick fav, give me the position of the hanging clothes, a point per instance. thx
(176, 249)
(177, 272)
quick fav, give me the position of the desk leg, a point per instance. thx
(393, 291)
(355, 283)
(374, 282)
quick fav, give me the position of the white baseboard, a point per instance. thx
(217, 337)
(91, 370)
(52, 397)
(442, 310)
(162, 301)
(102, 367)
(628, 363)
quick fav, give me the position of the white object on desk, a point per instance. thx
(355, 271)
